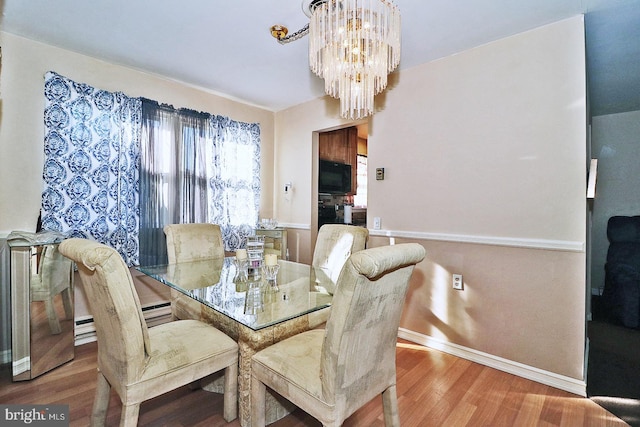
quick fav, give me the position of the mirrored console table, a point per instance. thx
(42, 318)
(275, 241)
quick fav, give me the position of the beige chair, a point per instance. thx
(191, 242)
(139, 362)
(334, 245)
(331, 373)
(54, 276)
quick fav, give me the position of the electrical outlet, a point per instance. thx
(457, 282)
(376, 223)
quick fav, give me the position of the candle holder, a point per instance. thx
(242, 270)
(270, 274)
(254, 302)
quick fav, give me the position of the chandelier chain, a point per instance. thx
(295, 36)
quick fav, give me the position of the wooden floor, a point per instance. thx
(434, 389)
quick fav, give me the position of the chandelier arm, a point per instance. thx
(294, 36)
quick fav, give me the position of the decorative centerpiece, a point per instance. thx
(270, 271)
(241, 263)
(254, 302)
(255, 252)
(268, 223)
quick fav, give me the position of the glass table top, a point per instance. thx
(253, 302)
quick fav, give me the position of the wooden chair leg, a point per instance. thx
(129, 416)
(258, 392)
(231, 392)
(100, 402)
(390, 407)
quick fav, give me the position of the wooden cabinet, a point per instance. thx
(341, 146)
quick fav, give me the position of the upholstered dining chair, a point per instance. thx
(139, 362)
(54, 276)
(331, 373)
(334, 245)
(191, 242)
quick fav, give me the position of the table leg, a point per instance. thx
(249, 343)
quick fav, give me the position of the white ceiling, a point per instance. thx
(225, 46)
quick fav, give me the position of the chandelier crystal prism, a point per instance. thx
(353, 45)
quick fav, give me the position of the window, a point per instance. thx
(196, 167)
(360, 198)
(117, 169)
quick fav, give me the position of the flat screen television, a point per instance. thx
(334, 178)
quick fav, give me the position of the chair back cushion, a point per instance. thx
(359, 349)
(623, 229)
(335, 244)
(123, 339)
(192, 242)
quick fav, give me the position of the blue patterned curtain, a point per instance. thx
(196, 167)
(92, 140)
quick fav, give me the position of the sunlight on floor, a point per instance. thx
(412, 346)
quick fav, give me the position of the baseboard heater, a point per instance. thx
(155, 314)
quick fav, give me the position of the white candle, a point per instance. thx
(241, 254)
(271, 259)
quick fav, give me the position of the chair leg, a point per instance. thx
(390, 407)
(54, 323)
(67, 302)
(100, 402)
(230, 412)
(129, 416)
(258, 392)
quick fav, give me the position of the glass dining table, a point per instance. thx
(254, 311)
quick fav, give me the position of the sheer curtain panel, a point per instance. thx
(196, 167)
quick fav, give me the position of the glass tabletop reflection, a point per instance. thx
(252, 301)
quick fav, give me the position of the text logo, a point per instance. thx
(34, 415)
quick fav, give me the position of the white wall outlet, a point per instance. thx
(376, 223)
(457, 282)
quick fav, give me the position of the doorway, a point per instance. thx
(342, 176)
(613, 358)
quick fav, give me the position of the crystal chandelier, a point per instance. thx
(353, 45)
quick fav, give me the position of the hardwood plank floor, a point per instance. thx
(434, 389)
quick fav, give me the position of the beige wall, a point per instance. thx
(484, 154)
(24, 63)
(485, 157)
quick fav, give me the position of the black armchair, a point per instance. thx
(621, 296)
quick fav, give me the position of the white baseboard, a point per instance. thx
(154, 315)
(552, 379)
(22, 365)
